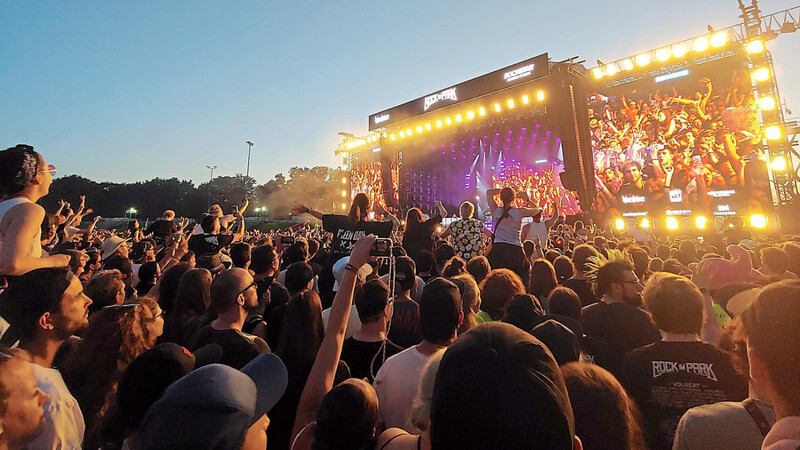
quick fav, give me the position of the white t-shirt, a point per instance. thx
(353, 322)
(507, 231)
(538, 229)
(64, 426)
(397, 384)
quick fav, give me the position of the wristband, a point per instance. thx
(351, 268)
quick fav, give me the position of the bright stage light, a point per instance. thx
(766, 103)
(627, 64)
(391, 136)
(344, 180)
(719, 39)
(761, 74)
(663, 54)
(700, 44)
(510, 103)
(525, 99)
(779, 164)
(409, 132)
(438, 124)
(344, 193)
(598, 72)
(758, 221)
(402, 134)
(540, 95)
(477, 197)
(482, 111)
(344, 205)
(497, 107)
(619, 224)
(448, 121)
(773, 132)
(700, 222)
(428, 126)
(678, 50)
(642, 60)
(470, 115)
(458, 118)
(419, 129)
(755, 47)
(645, 223)
(610, 70)
(672, 223)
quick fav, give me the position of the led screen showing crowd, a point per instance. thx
(683, 142)
(365, 177)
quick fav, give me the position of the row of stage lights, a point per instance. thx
(673, 223)
(698, 45)
(471, 114)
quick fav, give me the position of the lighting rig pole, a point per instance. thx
(249, 147)
(209, 184)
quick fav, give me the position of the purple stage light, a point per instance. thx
(538, 125)
(462, 141)
(486, 137)
(534, 135)
(443, 153)
(544, 142)
(523, 128)
(508, 140)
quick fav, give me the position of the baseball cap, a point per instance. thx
(559, 339)
(338, 271)
(28, 297)
(499, 387)
(213, 406)
(523, 311)
(110, 245)
(739, 302)
(210, 261)
(440, 301)
(405, 272)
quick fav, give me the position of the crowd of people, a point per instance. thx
(388, 333)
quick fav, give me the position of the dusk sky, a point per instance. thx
(127, 91)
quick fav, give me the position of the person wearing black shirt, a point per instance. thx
(369, 347)
(163, 227)
(667, 378)
(211, 241)
(617, 318)
(418, 232)
(405, 330)
(578, 282)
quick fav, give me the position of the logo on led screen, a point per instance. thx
(516, 74)
(447, 94)
(382, 118)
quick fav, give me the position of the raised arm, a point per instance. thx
(440, 208)
(320, 380)
(303, 209)
(490, 198)
(379, 209)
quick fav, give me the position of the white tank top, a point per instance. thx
(507, 231)
(5, 206)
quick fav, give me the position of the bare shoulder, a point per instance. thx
(396, 436)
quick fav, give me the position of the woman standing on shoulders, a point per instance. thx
(506, 249)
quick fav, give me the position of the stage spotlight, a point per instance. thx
(773, 132)
(458, 118)
(470, 115)
(700, 222)
(344, 205)
(428, 126)
(779, 164)
(678, 50)
(477, 197)
(497, 107)
(510, 103)
(391, 136)
(525, 99)
(419, 129)
(663, 54)
(438, 124)
(719, 39)
(619, 224)
(408, 132)
(645, 223)
(642, 60)
(627, 64)
(761, 74)
(700, 44)
(448, 121)
(344, 193)
(402, 134)
(344, 180)
(611, 70)
(598, 72)
(540, 95)
(758, 221)
(766, 103)
(755, 47)
(672, 223)
(482, 111)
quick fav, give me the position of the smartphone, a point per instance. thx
(287, 240)
(382, 248)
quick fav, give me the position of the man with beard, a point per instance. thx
(617, 318)
(44, 308)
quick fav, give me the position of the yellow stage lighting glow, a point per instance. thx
(719, 39)
(700, 44)
(470, 115)
(391, 136)
(540, 95)
(663, 54)
(428, 126)
(344, 193)
(458, 118)
(419, 129)
(645, 223)
(344, 205)
(678, 50)
(611, 70)
(402, 134)
(766, 103)
(700, 222)
(438, 124)
(755, 47)
(672, 223)
(598, 72)
(510, 103)
(642, 60)
(761, 74)
(497, 107)
(779, 164)
(758, 221)
(344, 180)
(408, 132)
(448, 121)
(619, 224)
(627, 64)
(482, 111)
(773, 132)
(525, 99)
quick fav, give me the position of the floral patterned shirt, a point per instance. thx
(467, 237)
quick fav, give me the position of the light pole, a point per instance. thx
(209, 184)
(249, 146)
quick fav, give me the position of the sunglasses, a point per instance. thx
(253, 284)
(50, 168)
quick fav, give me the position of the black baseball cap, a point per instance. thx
(440, 301)
(29, 296)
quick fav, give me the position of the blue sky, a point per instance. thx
(125, 91)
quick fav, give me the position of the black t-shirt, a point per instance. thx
(202, 244)
(161, 229)
(237, 348)
(668, 378)
(419, 237)
(345, 234)
(358, 355)
(405, 324)
(583, 289)
(623, 327)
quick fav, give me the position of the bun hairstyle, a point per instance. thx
(18, 167)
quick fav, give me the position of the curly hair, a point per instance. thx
(500, 286)
(19, 166)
